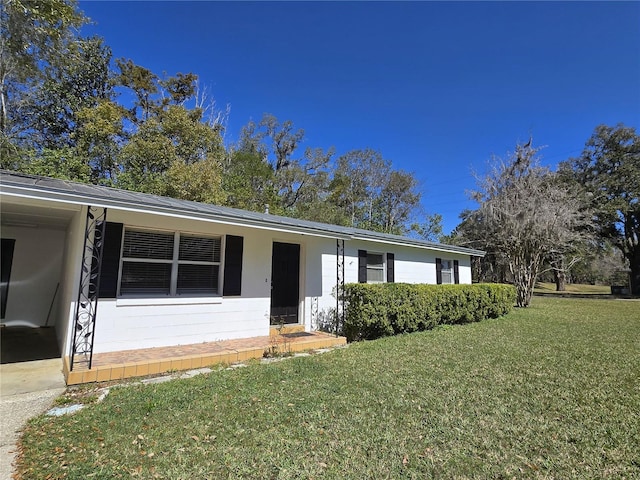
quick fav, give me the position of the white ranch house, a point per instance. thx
(114, 270)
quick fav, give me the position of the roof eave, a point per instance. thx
(10, 185)
(408, 242)
(70, 198)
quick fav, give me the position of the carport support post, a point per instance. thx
(339, 284)
(89, 287)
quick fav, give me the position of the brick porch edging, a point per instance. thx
(152, 361)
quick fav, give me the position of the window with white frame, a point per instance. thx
(447, 271)
(169, 263)
(375, 267)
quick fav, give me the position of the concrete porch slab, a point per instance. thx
(27, 377)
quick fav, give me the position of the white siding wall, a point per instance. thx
(46, 256)
(321, 274)
(412, 265)
(35, 273)
(70, 279)
(465, 268)
(125, 324)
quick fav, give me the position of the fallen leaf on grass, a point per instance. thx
(428, 450)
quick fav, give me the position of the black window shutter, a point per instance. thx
(110, 260)
(456, 272)
(391, 274)
(439, 271)
(362, 266)
(233, 265)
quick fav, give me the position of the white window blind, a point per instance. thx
(148, 245)
(375, 268)
(197, 279)
(199, 265)
(199, 249)
(142, 278)
(160, 263)
(447, 271)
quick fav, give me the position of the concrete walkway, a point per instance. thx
(27, 389)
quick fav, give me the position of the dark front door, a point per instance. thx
(285, 283)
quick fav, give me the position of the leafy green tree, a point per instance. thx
(173, 153)
(358, 180)
(77, 79)
(303, 184)
(58, 163)
(493, 267)
(603, 265)
(43, 76)
(609, 168)
(248, 182)
(50, 75)
(430, 229)
(99, 136)
(60, 116)
(398, 200)
(299, 180)
(145, 86)
(145, 159)
(198, 181)
(372, 194)
(32, 33)
(180, 88)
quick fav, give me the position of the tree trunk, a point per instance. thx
(524, 286)
(635, 278)
(523, 297)
(632, 255)
(560, 277)
(525, 272)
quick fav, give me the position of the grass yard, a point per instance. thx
(575, 288)
(551, 391)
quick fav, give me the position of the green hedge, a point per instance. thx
(378, 310)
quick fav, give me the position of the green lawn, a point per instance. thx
(578, 288)
(551, 391)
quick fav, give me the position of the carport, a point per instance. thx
(34, 241)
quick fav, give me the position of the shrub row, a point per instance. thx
(378, 310)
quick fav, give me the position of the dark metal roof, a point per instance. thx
(80, 193)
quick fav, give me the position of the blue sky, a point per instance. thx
(437, 88)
